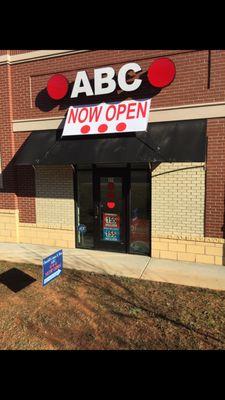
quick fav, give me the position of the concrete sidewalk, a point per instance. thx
(133, 266)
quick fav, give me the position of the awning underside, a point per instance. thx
(179, 141)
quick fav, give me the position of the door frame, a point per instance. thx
(124, 173)
(128, 203)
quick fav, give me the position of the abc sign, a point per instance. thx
(160, 74)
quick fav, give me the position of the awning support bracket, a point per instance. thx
(156, 150)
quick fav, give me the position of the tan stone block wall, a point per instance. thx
(59, 236)
(198, 249)
(54, 195)
(178, 199)
(9, 226)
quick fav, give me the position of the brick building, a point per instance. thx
(170, 201)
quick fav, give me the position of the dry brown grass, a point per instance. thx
(81, 310)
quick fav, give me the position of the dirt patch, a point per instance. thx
(81, 310)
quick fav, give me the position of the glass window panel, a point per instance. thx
(140, 213)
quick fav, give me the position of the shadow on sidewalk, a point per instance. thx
(16, 280)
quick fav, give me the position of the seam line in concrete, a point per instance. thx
(27, 249)
(146, 266)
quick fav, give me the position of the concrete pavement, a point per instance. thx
(133, 266)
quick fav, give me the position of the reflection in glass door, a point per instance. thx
(140, 210)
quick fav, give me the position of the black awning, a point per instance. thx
(176, 141)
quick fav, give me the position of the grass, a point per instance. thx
(82, 310)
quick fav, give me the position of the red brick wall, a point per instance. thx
(8, 199)
(215, 179)
(189, 87)
(31, 78)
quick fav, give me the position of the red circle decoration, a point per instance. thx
(57, 86)
(111, 204)
(85, 129)
(103, 128)
(121, 127)
(161, 72)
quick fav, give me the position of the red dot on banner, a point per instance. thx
(85, 129)
(111, 204)
(57, 86)
(103, 128)
(161, 72)
(121, 127)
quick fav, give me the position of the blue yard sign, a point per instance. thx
(52, 267)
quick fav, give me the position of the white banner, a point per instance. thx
(127, 116)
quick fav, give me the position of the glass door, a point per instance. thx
(110, 198)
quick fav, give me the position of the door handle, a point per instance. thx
(97, 211)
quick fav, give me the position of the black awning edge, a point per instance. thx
(175, 141)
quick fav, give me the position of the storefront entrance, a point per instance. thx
(111, 197)
(113, 208)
